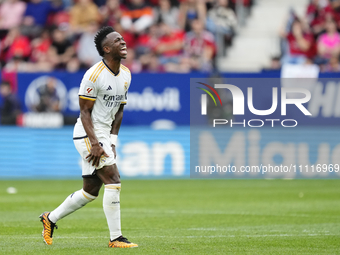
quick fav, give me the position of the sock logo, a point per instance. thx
(115, 202)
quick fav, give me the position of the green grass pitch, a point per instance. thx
(180, 217)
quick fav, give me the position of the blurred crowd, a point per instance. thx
(161, 35)
(313, 38)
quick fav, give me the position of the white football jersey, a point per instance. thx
(109, 91)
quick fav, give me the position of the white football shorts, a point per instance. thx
(83, 146)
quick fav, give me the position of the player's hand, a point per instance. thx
(113, 149)
(96, 152)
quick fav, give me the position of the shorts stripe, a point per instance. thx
(88, 142)
(87, 145)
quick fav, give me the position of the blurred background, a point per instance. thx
(46, 47)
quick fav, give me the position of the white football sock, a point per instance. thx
(111, 205)
(72, 203)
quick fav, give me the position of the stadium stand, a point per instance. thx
(42, 36)
(260, 32)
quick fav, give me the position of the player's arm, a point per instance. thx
(96, 151)
(115, 127)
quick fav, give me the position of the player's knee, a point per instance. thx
(116, 178)
(88, 197)
(93, 192)
(114, 175)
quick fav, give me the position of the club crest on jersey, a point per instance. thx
(89, 91)
(125, 86)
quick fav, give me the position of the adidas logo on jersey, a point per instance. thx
(109, 88)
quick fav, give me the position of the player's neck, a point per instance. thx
(113, 64)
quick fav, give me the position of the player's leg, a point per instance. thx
(111, 205)
(76, 200)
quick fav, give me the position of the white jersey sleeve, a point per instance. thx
(88, 89)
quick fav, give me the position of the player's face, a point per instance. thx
(117, 46)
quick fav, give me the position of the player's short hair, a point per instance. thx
(99, 38)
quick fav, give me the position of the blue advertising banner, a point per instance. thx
(151, 96)
(155, 97)
(50, 153)
(302, 152)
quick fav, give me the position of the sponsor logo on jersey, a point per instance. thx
(89, 91)
(109, 88)
(113, 100)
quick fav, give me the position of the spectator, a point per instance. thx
(18, 64)
(10, 108)
(111, 12)
(190, 10)
(156, 2)
(16, 44)
(73, 65)
(275, 63)
(86, 51)
(146, 44)
(40, 49)
(138, 17)
(200, 47)
(82, 14)
(170, 45)
(67, 4)
(49, 99)
(37, 11)
(329, 42)
(148, 41)
(153, 65)
(100, 3)
(336, 5)
(300, 44)
(11, 14)
(61, 18)
(61, 50)
(222, 23)
(245, 4)
(332, 66)
(164, 12)
(318, 11)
